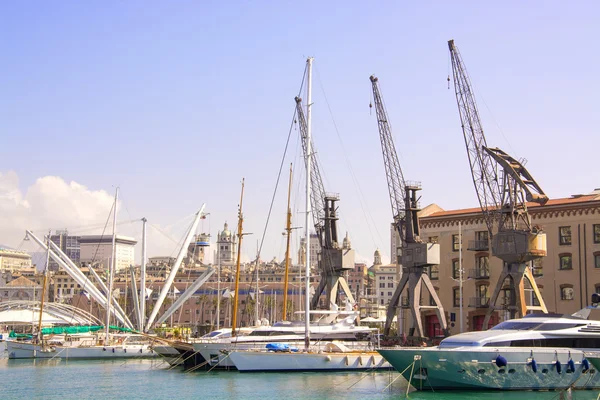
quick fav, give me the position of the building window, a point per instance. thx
(566, 262)
(596, 233)
(455, 269)
(482, 292)
(481, 236)
(434, 272)
(381, 285)
(597, 259)
(483, 266)
(566, 292)
(381, 302)
(390, 294)
(390, 285)
(564, 235)
(456, 297)
(382, 294)
(538, 267)
(455, 243)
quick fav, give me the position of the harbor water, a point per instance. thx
(153, 379)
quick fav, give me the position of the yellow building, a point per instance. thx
(567, 276)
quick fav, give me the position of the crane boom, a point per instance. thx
(414, 255)
(393, 171)
(317, 192)
(503, 200)
(334, 260)
(485, 176)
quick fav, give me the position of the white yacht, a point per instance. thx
(539, 351)
(215, 350)
(83, 346)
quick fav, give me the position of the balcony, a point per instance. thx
(479, 273)
(479, 245)
(479, 302)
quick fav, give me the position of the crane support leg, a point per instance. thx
(331, 283)
(516, 273)
(415, 278)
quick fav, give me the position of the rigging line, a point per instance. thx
(361, 197)
(112, 208)
(163, 233)
(287, 143)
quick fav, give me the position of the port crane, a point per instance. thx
(503, 186)
(413, 254)
(335, 259)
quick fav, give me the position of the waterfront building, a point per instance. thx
(14, 260)
(69, 244)
(315, 250)
(226, 247)
(21, 288)
(567, 276)
(97, 250)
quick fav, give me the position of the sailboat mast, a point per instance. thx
(307, 216)
(288, 229)
(142, 318)
(237, 270)
(45, 281)
(111, 268)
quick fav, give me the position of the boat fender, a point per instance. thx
(585, 365)
(533, 365)
(328, 358)
(571, 365)
(124, 350)
(558, 367)
(141, 350)
(113, 349)
(104, 349)
(501, 361)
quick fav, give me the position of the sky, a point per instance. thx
(175, 103)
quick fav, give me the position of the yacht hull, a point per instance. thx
(263, 361)
(20, 350)
(469, 369)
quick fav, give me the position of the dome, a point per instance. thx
(346, 243)
(225, 234)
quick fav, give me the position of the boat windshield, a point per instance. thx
(213, 334)
(516, 326)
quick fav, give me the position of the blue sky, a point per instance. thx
(175, 103)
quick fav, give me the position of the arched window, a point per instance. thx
(567, 292)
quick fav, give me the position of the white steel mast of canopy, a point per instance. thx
(165, 289)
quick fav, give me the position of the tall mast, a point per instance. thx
(307, 216)
(237, 270)
(142, 318)
(288, 230)
(218, 286)
(44, 289)
(111, 268)
(256, 314)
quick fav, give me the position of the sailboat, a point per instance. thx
(86, 342)
(320, 356)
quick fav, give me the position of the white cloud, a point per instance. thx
(52, 203)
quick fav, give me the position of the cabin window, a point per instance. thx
(596, 233)
(566, 261)
(455, 243)
(566, 292)
(564, 235)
